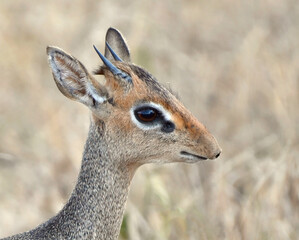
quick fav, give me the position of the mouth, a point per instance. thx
(192, 156)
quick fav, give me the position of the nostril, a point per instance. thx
(217, 155)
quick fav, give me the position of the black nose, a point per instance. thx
(217, 155)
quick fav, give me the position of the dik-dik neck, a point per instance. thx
(95, 209)
(101, 192)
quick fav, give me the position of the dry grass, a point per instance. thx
(235, 65)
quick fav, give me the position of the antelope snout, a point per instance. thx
(217, 154)
(211, 146)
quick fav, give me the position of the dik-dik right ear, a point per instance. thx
(73, 80)
(117, 42)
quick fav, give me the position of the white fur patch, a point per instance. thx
(166, 115)
(94, 93)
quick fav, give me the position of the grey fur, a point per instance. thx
(93, 212)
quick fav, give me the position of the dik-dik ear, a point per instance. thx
(118, 44)
(73, 80)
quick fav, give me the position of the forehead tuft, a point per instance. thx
(151, 82)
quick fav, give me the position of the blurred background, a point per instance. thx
(235, 65)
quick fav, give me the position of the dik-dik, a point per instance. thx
(134, 120)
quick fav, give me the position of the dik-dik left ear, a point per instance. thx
(73, 80)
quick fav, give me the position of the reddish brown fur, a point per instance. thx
(183, 119)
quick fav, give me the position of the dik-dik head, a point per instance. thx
(143, 121)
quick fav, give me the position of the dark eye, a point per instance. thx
(146, 114)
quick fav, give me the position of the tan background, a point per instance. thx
(235, 64)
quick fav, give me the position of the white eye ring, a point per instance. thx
(165, 114)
